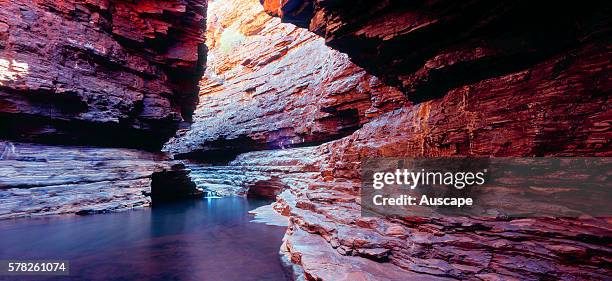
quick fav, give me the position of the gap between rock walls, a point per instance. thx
(114, 105)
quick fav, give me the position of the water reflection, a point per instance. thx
(209, 239)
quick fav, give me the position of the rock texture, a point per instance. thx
(429, 47)
(481, 78)
(273, 85)
(535, 112)
(328, 239)
(99, 72)
(496, 87)
(275, 170)
(46, 180)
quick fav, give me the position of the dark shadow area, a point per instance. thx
(41, 129)
(173, 185)
(513, 35)
(267, 189)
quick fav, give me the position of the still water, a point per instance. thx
(209, 239)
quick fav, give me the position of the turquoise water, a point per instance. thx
(209, 239)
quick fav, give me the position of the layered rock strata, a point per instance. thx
(429, 47)
(272, 85)
(542, 111)
(274, 170)
(483, 79)
(555, 105)
(104, 72)
(328, 239)
(47, 180)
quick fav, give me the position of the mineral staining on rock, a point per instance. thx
(272, 85)
(111, 73)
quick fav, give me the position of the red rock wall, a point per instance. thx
(540, 111)
(102, 72)
(429, 47)
(486, 79)
(272, 85)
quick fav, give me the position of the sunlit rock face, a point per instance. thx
(272, 85)
(103, 72)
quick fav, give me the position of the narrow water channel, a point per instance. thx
(209, 239)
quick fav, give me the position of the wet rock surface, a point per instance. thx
(110, 73)
(46, 180)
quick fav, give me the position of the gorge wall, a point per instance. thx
(99, 72)
(76, 74)
(272, 85)
(427, 48)
(297, 107)
(477, 78)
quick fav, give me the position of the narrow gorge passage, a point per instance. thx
(424, 79)
(89, 93)
(232, 139)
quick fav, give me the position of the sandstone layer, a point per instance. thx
(272, 85)
(48, 180)
(328, 239)
(99, 72)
